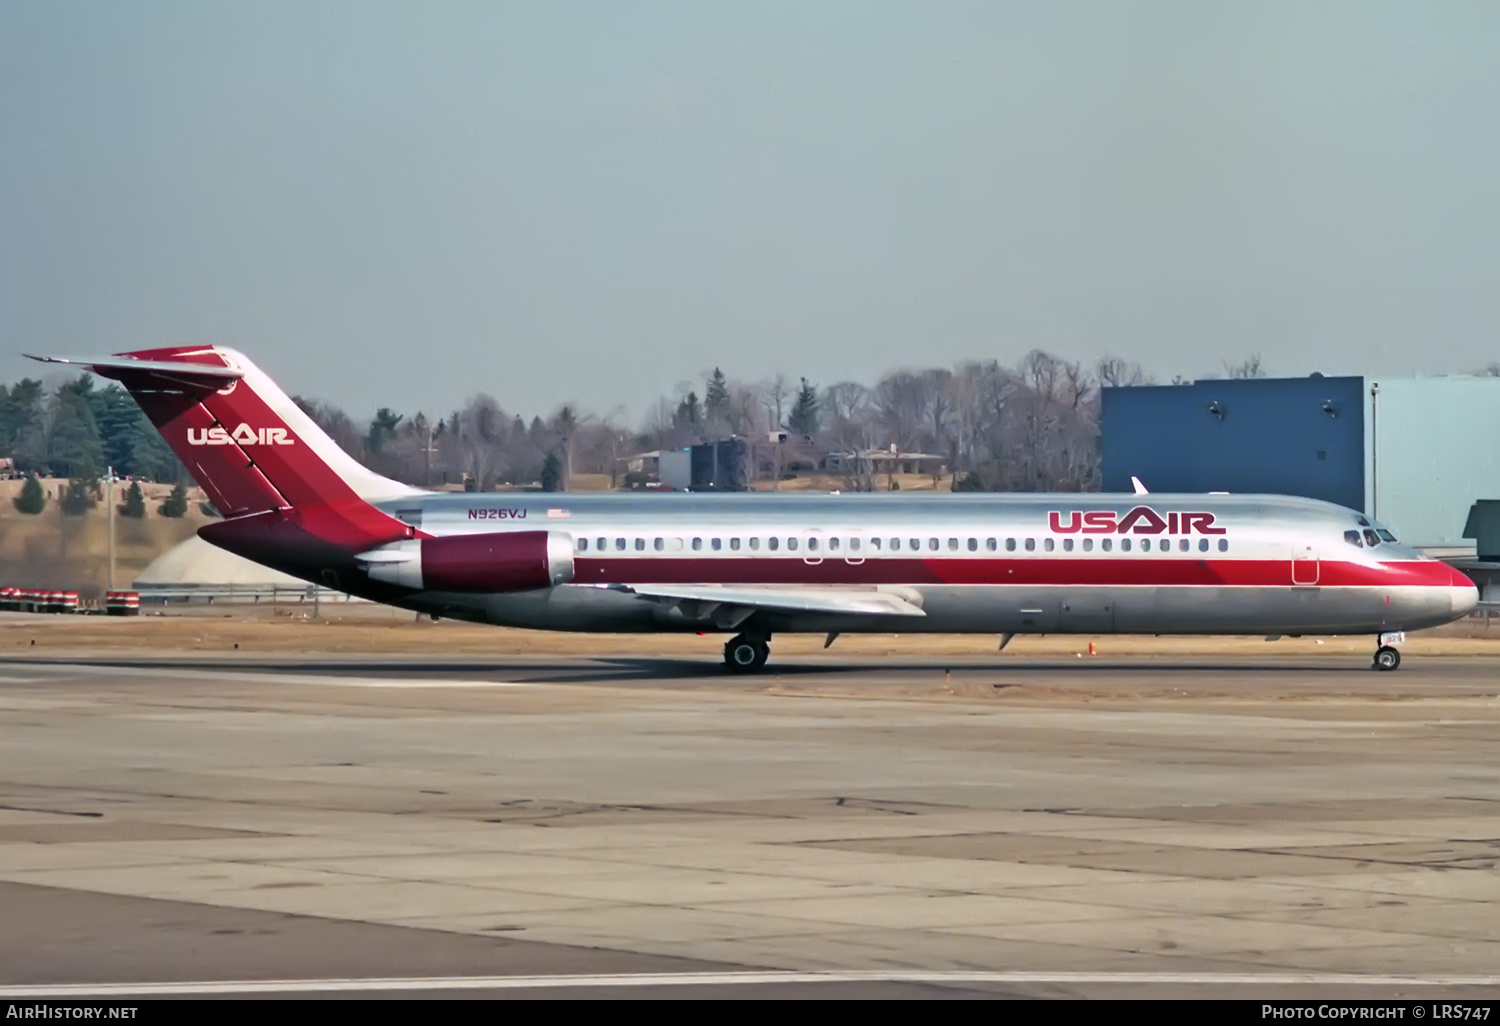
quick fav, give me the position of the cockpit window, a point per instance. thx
(1352, 537)
(1385, 535)
(1362, 522)
(1371, 538)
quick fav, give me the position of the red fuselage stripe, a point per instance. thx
(1116, 571)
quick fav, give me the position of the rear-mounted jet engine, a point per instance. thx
(489, 562)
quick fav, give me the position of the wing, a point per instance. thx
(730, 605)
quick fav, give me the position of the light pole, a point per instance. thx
(109, 503)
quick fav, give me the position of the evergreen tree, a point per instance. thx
(23, 424)
(804, 416)
(382, 429)
(32, 499)
(551, 472)
(73, 447)
(146, 454)
(688, 415)
(135, 502)
(176, 505)
(716, 398)
(78, 496)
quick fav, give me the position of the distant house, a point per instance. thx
(887, 461)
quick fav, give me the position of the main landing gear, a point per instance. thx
(747, 653)
(1386, 658)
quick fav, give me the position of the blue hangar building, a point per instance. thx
(1284, 436)
(1420, 454)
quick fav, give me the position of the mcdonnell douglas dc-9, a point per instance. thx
(753, 566)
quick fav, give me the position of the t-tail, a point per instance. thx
(291, 498)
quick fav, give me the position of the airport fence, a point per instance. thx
(128, 603)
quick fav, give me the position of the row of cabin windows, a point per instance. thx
(774, 544)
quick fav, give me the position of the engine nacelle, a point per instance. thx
(489, 562)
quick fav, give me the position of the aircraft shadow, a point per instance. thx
(650, 668)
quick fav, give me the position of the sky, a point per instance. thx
(406, 203)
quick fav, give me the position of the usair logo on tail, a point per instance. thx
(242, 435)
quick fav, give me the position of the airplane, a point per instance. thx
(755, 566)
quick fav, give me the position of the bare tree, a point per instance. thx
(1114, 372)
(1249, 367)
(775, 394)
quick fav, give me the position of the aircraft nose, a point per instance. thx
(1462, 593)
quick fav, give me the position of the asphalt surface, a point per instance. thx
(636, 827)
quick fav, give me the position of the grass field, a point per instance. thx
(49, 550)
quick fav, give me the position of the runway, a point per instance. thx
(635, 826)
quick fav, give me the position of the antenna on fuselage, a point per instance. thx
(1140, 489)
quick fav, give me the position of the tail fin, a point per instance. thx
(246, 443)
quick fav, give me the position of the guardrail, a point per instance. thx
(240, 594)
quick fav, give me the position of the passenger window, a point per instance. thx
(620, 544)
(716, 544)
(583, 544)
(812, 544)
(1088, 545)
(1124, 544)
(1106, 544)
(990, 544)
(734, 545)
(1202, 544)
(1030, 544)
(915, 544)
(895, 544)
(791, 543)
(1047, 544)
(754, 543)
(1067, 544)
(659, 544)
(932, 543)
(1372, 539)
(1183, 544)
(1010, 545)
(952, 544)
(1223, 544)
(973, 544)
(600, 544)
(1352, 537)
(773, 543)
(697, 544)
(676, 544)
(833, 544)
(640, 545)
(874, 544)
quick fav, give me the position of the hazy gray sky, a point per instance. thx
(405, 203)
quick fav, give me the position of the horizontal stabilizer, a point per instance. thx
(170, 368)
(783, 599)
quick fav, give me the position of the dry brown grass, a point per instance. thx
(49, 550)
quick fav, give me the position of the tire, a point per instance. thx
(746, 655)
(1387, 658)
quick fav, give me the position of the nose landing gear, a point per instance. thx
(1386, 658)
(746, 653)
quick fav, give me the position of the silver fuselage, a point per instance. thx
(1043, 563)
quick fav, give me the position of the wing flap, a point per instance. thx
(714, 600)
